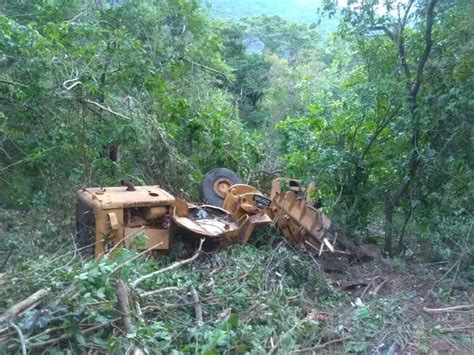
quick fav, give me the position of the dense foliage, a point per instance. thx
(387, 130)
(90, 94)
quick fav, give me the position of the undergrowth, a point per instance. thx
(254, 301)
(250, 297)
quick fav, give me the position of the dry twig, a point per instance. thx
(68, 335)
(160, 290)
(168, 268)
(370, 284)
(321, 346)
(378, 288)
(466, 328)
(449, 309)
(21, 336)
(283, 336)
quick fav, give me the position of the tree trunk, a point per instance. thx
(393, 200)
(115, 153)
(389, 208)
(113, 149)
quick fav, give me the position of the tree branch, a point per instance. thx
(12, 312)
(221, 74)
(108, 109)
(160, 290)
(386, 120)
(197, 306)
(387, 32)
(407, 11)
(427, 50)
(9, 82)
(412, 90)
(21, 336)
(171, 267)
(401, 46)
(449, 309)
(69, 334)
(321, 346)
(123, 304)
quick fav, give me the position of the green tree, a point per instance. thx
(89, 94)
(251, 47)
(370, 132)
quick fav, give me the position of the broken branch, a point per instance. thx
(161, 290)
(197, 306)
(378, 288)
(449, 309)
(171, 267)
(9, 82)
(123, 305)
(13, 311)
(321, 346)
(21, 336)
(68, 335)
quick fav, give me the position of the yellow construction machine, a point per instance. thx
(111, 217)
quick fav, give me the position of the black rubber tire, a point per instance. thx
(208, 195)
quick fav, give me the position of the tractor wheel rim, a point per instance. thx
(221, 186)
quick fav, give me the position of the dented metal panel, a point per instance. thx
(120, 197)
(301, 224)
(122, 213)
(207, 221)
(159, 238)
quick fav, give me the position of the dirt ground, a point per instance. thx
(433, 305)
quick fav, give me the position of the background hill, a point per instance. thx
(303, 11)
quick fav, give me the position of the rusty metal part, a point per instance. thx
(154, 213)
(221, 186)
(160, 238)
(205, 220)
(304, 226)
(129, 184)
(242, 201)
(294, 214)
(110, 215)
(297, 186)
(239, 200)
(116, 216)
(119, 197)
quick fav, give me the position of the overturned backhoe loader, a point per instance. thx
(111, 217)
